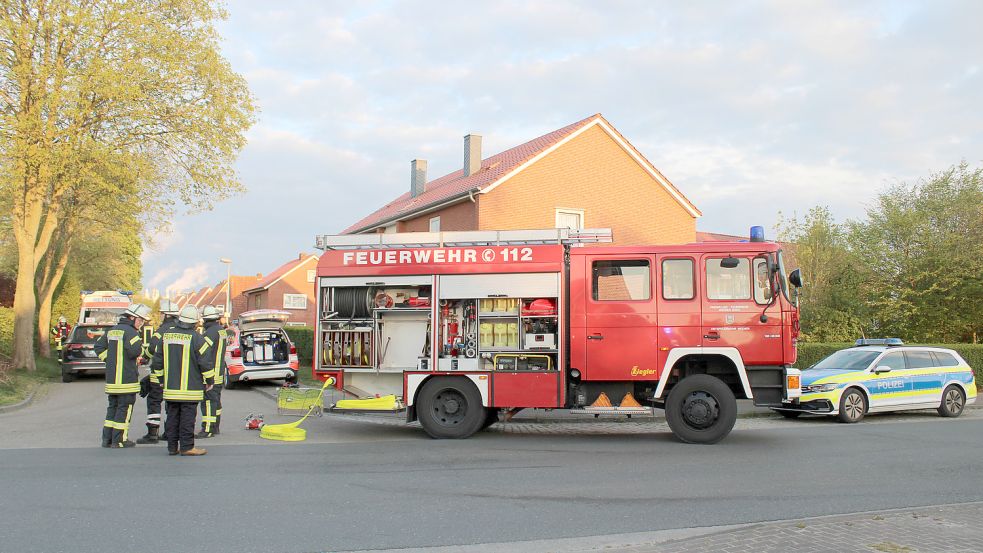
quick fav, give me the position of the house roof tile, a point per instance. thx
(456, 184)
(280, 271)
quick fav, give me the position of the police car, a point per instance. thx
(885, 375)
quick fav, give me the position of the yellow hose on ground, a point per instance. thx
(291, 432)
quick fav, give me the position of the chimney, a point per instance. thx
(472, 154)
(418, 177)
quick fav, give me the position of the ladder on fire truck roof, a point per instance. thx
(461, 238)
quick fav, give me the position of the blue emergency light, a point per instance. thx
(757, 233)
(879, 342)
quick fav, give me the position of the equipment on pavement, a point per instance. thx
(291, 432)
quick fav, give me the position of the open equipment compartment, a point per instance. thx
(372, 329)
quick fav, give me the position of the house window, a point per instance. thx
(311, 274)
(259, 302)
(569, 218)
(435, 224)
(294, 301)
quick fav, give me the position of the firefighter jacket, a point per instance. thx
(216, 338)
(180, 364)
(154, 344)
(119, 348)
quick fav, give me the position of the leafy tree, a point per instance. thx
(922, 245)
(86, 84)
(830, 307)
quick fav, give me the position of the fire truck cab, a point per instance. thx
(460, 326)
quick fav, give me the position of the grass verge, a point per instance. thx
(15, 385)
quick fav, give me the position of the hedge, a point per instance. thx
(303, 339)
(811, 353)
(6, 331)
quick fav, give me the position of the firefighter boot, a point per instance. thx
(126, 443)
(151, 437)
(202, 435)
(194, 452)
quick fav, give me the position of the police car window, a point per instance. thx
(893, 360)
(847, 360)
(945, 359)
(920, 359)
(677, 279)
(626, 280)
(728, 284)
(762, 282)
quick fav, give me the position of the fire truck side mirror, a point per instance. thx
(730, 262)
(795, 278)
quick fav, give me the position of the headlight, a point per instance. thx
(818, 388)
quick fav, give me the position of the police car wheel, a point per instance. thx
(450, 407)
(701, 409)
(853, 406)
(953, 402)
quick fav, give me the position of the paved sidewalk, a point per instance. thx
(950, 529)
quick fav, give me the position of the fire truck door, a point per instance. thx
(679, 305)
(621, 319)
(737, 291)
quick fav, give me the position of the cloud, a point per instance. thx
(749, 108)
(190, 278)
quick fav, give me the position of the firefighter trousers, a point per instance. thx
(115, 429)
(180, 423)
(211, 410)
(154, 399)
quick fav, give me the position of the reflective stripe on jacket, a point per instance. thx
(216, 338)
(178, 363)
(119, 348)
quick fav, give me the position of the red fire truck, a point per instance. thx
(458, 327)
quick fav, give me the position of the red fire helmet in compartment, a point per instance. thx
(542, 306)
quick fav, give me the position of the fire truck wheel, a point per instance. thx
(491, 417)
(953, 401)
(450, 408)
(701, 409)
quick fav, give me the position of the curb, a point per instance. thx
(23, 403)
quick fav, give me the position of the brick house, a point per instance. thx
(585, 175)
(290, 288)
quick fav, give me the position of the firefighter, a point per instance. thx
(216, 338)
(121, 348)
(180, 365)
(150, 383)
(60, 332)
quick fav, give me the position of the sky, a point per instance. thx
(750, 108)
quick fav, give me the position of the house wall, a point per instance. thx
(460, 216)
(294, 282)
(593, 173)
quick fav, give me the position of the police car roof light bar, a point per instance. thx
(879, 342)
(401, 240)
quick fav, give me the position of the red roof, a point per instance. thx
(718, 237)
(196, 298)
(269, 279)
(456, 184)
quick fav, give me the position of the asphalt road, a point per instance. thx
(358, 484)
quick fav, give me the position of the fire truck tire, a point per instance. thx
(450, 408)
(701, 409)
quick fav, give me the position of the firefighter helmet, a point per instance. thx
(168, 307)
(62, 319)
(211, 313)
(139, 311)
(188, 314)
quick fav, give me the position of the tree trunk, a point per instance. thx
(24, 304)
(49, 279)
